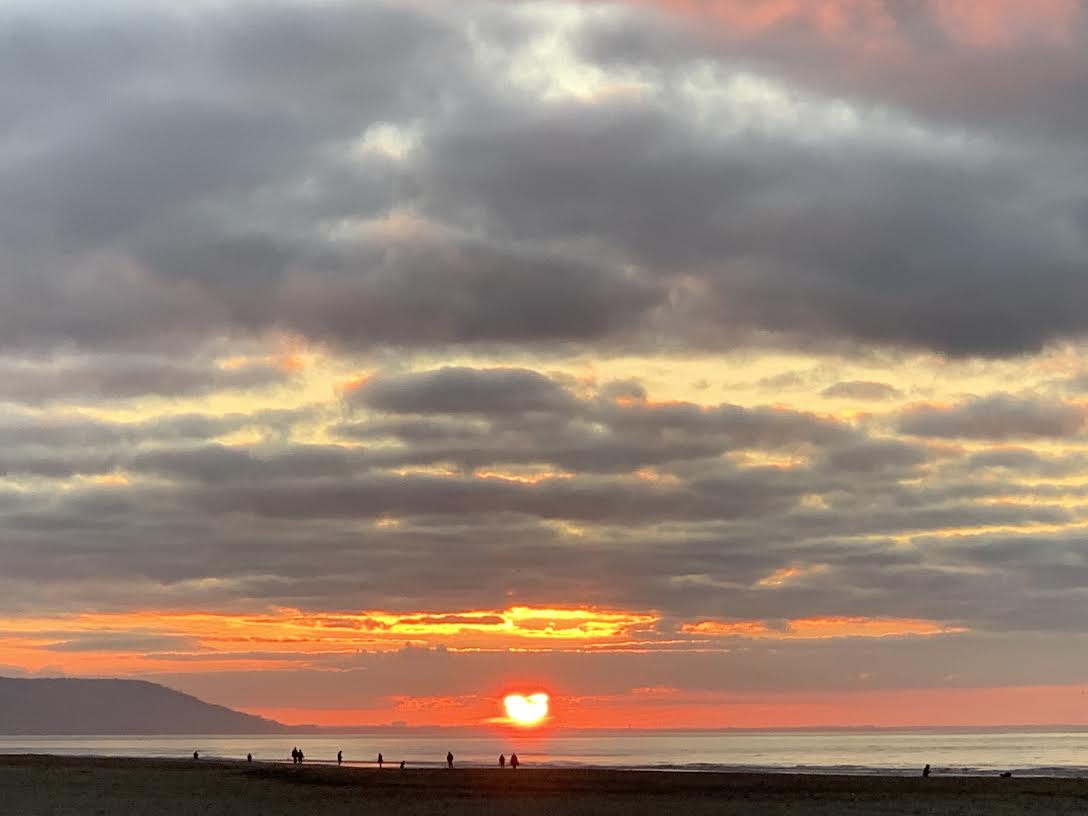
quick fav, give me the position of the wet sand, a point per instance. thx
(34, 785)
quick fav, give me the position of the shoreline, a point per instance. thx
(49, 784)
(1071, 772)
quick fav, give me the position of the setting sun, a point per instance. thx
(530, 710)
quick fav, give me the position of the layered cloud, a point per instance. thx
(460, 486)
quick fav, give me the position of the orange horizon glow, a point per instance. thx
(667, 708)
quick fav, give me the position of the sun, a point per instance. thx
(526, 710)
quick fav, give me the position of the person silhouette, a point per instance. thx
(514, 761)
(502, 761)
(294, 755)
(300, 756)
(380, 761)
(196, 754)
(402, 764)
(449, 758)
(249, 757)
(339, 758)
(925, 770)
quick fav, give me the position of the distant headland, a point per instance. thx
(69, 706)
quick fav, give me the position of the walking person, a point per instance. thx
(449, 759)
(502, 761)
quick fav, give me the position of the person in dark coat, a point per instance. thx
(339, 758)
(381, 759)
(514, 762)
(502, 760)
(449, 758)
(925, 770)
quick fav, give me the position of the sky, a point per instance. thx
(700, 363)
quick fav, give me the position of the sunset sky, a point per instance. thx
(700, 363)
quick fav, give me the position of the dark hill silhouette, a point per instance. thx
(72, 706)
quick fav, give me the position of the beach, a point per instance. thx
(32, 785)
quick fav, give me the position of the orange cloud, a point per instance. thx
(348, 387)
(199, 641)
(1000, 23)
(821, 628)
(829, 16)
(870, 26)
(194, 642)
(522, 477)
(789, 575)
(176, 642)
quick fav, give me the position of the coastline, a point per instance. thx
(42, 784)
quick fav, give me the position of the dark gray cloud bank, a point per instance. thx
(172, 175)
(382, 178)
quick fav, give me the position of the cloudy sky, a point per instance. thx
(701, 362)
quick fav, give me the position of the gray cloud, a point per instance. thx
(124, 377)
(121, 642)
(494, 392)
(867, 262)
(68, 432)
(514, 416)
(1025, 462)
(877, 455)
(998, 417)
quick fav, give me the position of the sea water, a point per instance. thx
(1025, 753)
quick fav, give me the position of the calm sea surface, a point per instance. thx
(1053, 753)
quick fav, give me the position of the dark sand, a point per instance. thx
(32, 785)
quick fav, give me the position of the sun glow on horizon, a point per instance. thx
(526, 711)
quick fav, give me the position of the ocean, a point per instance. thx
(1025, 753)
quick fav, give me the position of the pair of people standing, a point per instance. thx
(296, 756)
(514, 762)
